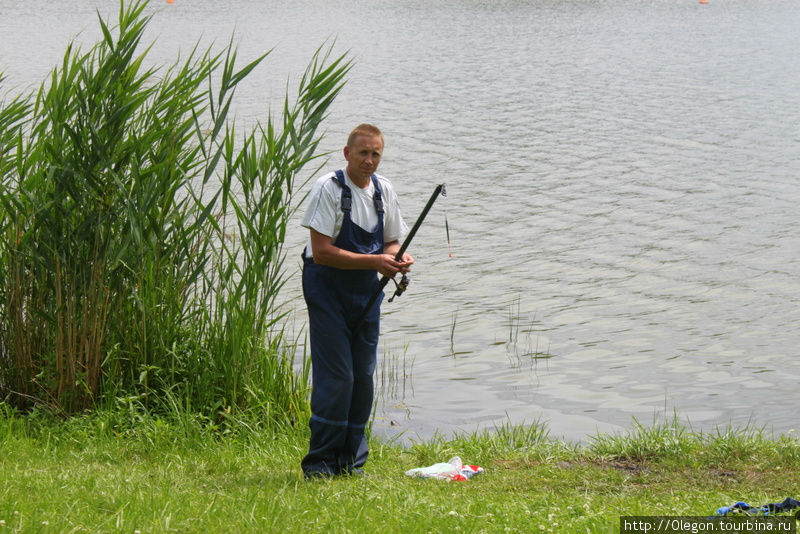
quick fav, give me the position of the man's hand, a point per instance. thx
(387, 266)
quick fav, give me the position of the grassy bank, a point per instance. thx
(128, 472)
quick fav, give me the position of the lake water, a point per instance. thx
(623, 185)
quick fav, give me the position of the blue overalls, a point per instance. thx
(342, 360)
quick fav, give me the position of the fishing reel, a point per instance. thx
(400, 286)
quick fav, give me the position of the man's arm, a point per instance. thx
(326, 253)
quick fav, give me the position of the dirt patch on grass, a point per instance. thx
(626, 466)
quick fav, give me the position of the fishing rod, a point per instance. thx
(403, 285)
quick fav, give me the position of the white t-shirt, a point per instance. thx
(324, 212)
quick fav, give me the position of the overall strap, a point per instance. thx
(377, 198)
(347, 196)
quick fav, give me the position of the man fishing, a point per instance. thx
(355, 224)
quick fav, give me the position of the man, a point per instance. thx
(355, 224)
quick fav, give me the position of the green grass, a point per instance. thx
(127, 472)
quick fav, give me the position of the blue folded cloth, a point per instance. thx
(786, 505)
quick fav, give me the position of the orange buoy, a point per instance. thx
(701, 1)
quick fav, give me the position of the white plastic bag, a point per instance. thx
(452, 470)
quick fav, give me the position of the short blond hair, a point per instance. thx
(364, 129)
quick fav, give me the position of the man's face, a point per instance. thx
(363, 157)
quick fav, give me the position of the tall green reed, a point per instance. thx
(141, 231)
